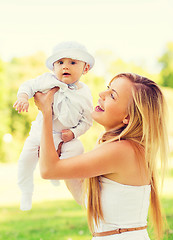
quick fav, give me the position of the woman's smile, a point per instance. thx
(99, 109)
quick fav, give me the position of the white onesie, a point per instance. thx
(71, 110)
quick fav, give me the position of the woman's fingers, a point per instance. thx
(54, 90)
(38, 98)
(51, 93)
(43, 100)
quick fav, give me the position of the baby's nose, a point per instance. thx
(65, 66)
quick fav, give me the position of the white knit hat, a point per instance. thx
(71, 50)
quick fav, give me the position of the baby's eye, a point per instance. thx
(73, 62)
(60, 62)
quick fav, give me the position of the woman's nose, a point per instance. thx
(102, 95)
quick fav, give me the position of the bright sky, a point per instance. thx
(131, 29)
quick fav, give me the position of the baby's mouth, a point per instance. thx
(66, 74)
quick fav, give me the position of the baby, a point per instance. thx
(72, 109)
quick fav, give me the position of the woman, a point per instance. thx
(120, 172)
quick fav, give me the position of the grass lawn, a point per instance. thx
(56, 220)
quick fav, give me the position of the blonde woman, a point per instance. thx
(120, 172)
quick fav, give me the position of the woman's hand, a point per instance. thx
(44, 100)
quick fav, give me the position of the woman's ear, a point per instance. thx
(86, 68)
(126, 120)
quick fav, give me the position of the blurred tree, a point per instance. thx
(119, 66)
(3, 106)
(19, 71)
(166, 62)
(12, 75)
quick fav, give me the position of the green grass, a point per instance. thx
(56, 220)
(168, 208)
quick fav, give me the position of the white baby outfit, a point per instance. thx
(124, 206)
(71, 110)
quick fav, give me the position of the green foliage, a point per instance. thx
(119, 66)
(12, 74)
(168, 93)
(3, 107)
(166, 62)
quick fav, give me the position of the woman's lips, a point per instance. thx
(99, 109)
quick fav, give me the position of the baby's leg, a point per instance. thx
(57, 139)
(26, 165)
(72, 149)
(69, 149)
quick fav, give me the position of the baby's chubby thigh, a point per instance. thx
(57, 139)
(71, 148)
(68, 149)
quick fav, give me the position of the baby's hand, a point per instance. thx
(21, 105)
(67, 135)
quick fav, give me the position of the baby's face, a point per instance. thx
(69, 70)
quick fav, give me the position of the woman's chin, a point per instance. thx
(95, 117)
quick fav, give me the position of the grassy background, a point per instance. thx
(56, 220)
(64, 220)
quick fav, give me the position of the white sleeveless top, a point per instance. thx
(124, 206)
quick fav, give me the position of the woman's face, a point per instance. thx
(111, 111)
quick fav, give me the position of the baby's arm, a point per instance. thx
(30, 87)
(22, 103)
(87, 108)
(81, 128)
(25, 92)
(68, 134)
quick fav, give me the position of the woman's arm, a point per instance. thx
(107, 158)
(44, 103)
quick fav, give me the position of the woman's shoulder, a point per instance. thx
(122, 146)
(124, 156)
(122, 152)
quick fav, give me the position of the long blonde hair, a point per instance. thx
(147, 128)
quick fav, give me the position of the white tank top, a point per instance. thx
(124, 206)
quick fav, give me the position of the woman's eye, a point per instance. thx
(112, 96)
